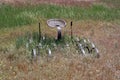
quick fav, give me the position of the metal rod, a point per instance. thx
(39, 32)
(59, 33)
(71, 30)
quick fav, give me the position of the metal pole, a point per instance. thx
(59, 33)
(71, 30)
(39, 32)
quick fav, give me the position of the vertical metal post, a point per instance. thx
(59, 33)
(39, 32)
(71, 30)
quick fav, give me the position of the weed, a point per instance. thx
(19, 42)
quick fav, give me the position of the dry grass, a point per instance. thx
(16, 66)
(61, 68)
(58, 2)
(111, 3)
(84, 3)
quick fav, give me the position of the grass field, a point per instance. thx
(100, 22)
(17, 16)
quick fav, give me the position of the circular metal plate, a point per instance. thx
(56, 23)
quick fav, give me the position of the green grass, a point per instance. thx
(17, 16)
(22, 40)
(23, 43)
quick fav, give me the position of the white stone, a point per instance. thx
(43, 37)
(83, 51)
(97, 51)
(93, 45)
(84, 40)
(88, 40)
(77, 39)
(34, 53)
(49, 52)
